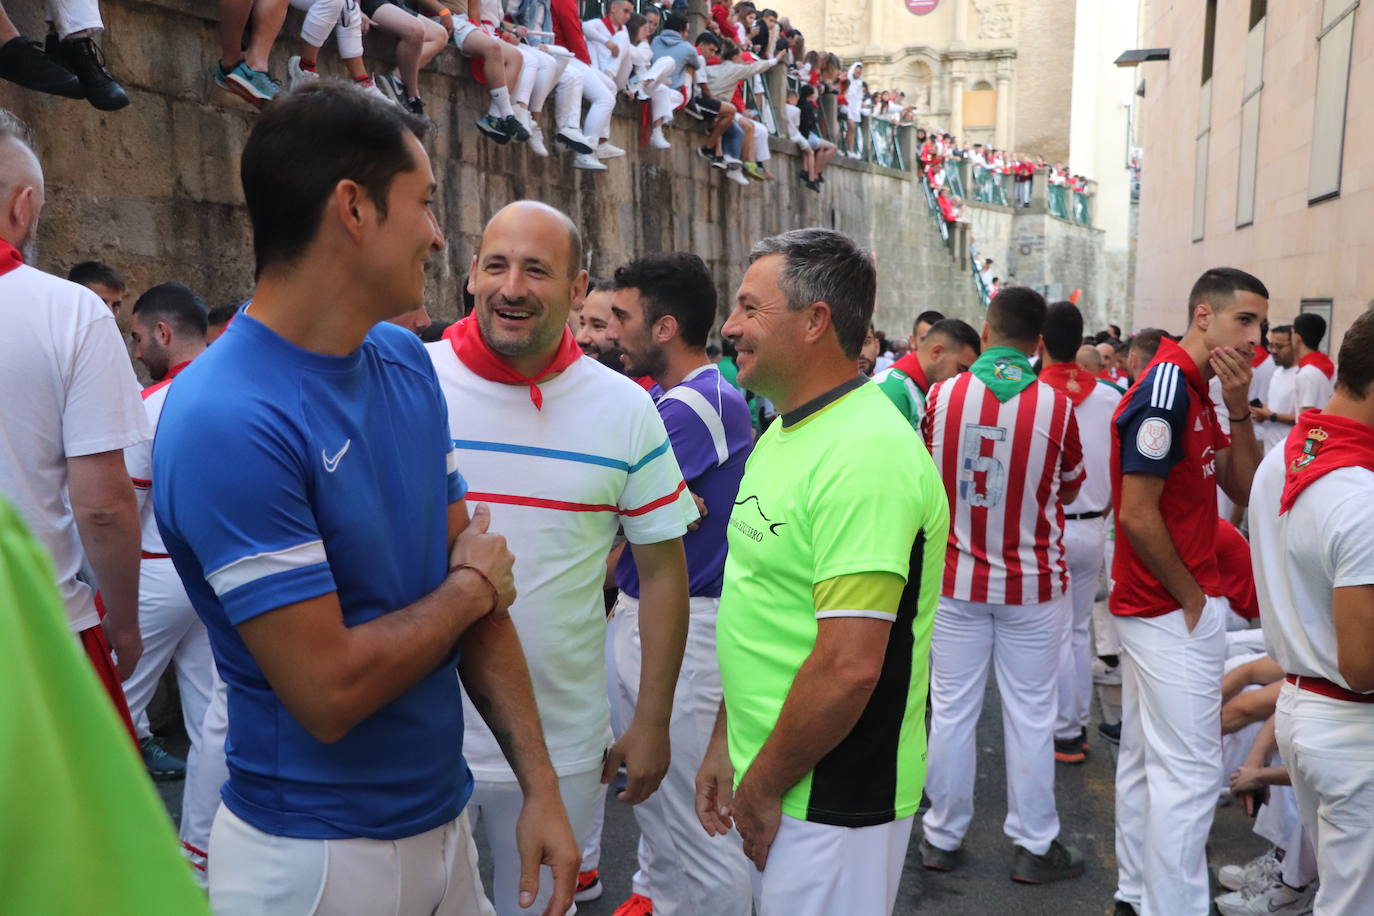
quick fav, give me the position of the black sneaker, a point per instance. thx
(23, 63)
(415, 106)
(83, 57)
(494, 128)
(1111, 732)
(1124, 909)
(1059, 863)
(1070, 750)
(691, 109)
(515, 129)
(814, 186)
(937, 859)
(161, 765)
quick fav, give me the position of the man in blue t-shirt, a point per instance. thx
(662, 311)
(307, 491)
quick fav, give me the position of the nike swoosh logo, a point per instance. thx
(332, 464)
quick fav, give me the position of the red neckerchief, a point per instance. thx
(473, 352)
(1260, 356)
(712, 61)
(646, 382)
(911, 365)
(165, 381)
(1070, 378)
(1321, 442)
(1321, 361)
(1170, 352)
(610, 26)
(10, 258)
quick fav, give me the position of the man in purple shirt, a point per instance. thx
(662, 311)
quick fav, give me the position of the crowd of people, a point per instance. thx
(419, 591)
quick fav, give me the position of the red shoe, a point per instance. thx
(588, 886)
(637, 905)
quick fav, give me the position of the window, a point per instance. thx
(1209, 39)
(980, 106)
(1204, 121)
(1257, 11)
(1250, 119)
(1320, 307)
(1333, 87)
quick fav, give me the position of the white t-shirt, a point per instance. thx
(1321, 544)
(1314, 389)
(69, 391)
(559, 481)
(596, 34)
(1094, 417)
(1281, 397)
(138, 460)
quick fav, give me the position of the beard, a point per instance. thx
(538, 337)
(28, 249)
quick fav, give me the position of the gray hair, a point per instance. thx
(822, 265)
(11, 128)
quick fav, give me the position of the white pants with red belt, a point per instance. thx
(1169, 765)
(1084, 541)
(1328, 745)
(1022, 642)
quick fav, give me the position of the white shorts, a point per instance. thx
(462, 28)
(823, 870)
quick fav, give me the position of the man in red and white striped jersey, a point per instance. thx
(1008, 449)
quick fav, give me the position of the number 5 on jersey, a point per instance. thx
(974, 462)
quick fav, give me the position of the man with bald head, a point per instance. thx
(1112, 371)
(566, 451)
(62, 442)
(1090, 358)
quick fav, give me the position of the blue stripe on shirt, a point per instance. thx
(537, 452)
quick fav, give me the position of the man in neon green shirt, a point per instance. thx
(83, 830)
(823, 634)
(949, 347)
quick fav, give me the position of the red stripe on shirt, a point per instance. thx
(1022, 434)
(658, 503)
(534, 502)
(949, 464)
(1044, 492)
(978, 515)
(140, 483)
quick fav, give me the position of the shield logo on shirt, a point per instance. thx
(1154, 438)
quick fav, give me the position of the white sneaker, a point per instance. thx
(1278, 899)
(575, 139)
(297, 77)
(371, 86)
(657, 140)
(1255, 875)
(1110, 677)
(731, 162)
(736, 176)
(588, 162)
(536, 141)
(608, 151)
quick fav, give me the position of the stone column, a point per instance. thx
(956, 104)
(830, 112)
(1002, 133)
(776, 80)
(698, 14)
(960, 21)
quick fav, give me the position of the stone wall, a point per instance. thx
(153, 189)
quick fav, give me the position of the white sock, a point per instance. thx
(500, 103)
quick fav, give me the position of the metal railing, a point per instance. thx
(886, 148)
(984, 293)
(1058, 200)
(988, 187)
(1082, 213)
(954, 178)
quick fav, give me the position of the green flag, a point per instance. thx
(81, 828)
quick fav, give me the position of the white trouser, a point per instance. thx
(72, 16)
(567, 99)
(1245, 642)
(1022, 642)
(1329, 748)
(617, 69)
(1280, 822)
(537, 78)
(1169, 765)
(761, 151)
(1083, 545)
(430, 874)
(206, 773)
(684, 870)
(495, 807)
(598, 91)
(822, 870)
(1104, 623)
(172, 633)
(342, 16)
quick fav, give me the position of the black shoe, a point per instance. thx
(1059, 863)
(1111, 732)
(814, 186)
(494, 128)
(83, 57)
(937, 859)
(161, 765)
(23, 63)
(515, 129)
(691, 109)
(1124, 909)
(415, 106)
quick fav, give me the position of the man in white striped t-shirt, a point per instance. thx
(1008, 450)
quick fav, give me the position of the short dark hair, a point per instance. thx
(1115, 329)
(1355, 366)
(175, 304)
(88, 272)
(600, 285)
(434, 331)
(1311, 327)
(822, 265)
(675, 22)
(219, 315)
(303, 145)
(1146, 343)
(1218, 287)
(1063, 331)
(1017, 313)
(707, 38)
(956, 331)
(929, 316)
(1281, 329)
(676, 284)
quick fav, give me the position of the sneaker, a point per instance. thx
(397, 86)
(517, 131)
(253, 86)
(1069, 750)
(937, 859)
(494, 128)
(83, 57)
(731, 162)
(637, 905)
(415, 105)
(691, 110)
(589, 162)
(753, 170)
(160, 764)
(536, 141)
(387, 88)
(1255, 875)
(1059, 863)
(1106, 675)
(368, 84)
(608, 151)
(573, 139)
(1278, 899)
(657, 140)
(297, 76)
(589, 886)
(23, 63)
(1124, 909)
(1110, 731)
(736, 176)
(814, 186)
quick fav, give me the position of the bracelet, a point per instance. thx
(495, 593)
(1239, 419)
(442, 13)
